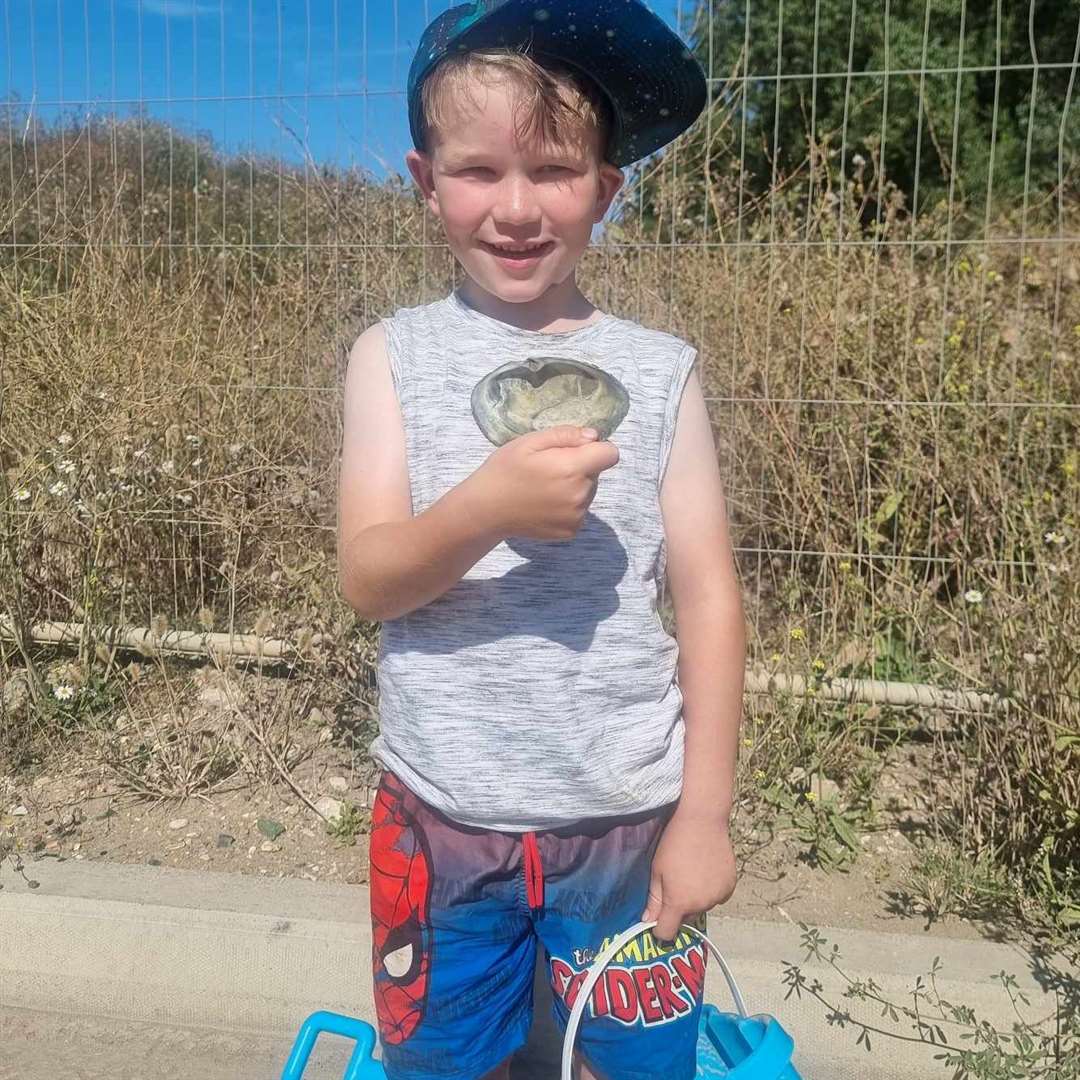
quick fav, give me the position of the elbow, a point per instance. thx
(357, 597)
(366, 602)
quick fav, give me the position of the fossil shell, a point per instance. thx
(545, 391)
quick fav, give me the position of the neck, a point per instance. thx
(563, 307)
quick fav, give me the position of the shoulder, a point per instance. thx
(414, 330)
(657, 344)
(369, 345)
(418, 315)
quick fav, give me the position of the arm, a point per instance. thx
(694, 866)
(390, 562)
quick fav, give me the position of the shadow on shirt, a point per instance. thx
(561, 592)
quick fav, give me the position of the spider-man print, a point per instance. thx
(400, 897)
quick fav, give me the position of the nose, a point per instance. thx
(515, 204)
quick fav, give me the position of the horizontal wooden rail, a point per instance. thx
(758, 681)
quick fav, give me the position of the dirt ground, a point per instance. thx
(74, 805)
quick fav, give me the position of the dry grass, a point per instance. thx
(896, 418)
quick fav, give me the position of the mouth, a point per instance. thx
(518, 253)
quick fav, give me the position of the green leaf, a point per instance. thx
(1070, 915)
(845, 832)
(888, 507)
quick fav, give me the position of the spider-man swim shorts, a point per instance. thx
(458, 913)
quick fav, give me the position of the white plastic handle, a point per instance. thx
(597, 969)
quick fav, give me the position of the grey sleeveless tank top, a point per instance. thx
(541, 688)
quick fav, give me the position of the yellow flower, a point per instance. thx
(759, 775)
(920, 341)
(844, 567)
(955, 340)
(811, 796)
(963, 266)
(1069, 468)
(748, 743)
(775, 658)
(818, 664)
(1028, 260)
(811, 692)
(797, 633)
(1047, 496)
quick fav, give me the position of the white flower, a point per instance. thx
(66, 466)
(196, 463)
(58, 488)
(193, 439)
(127, 489)
(1030, 658)
(21, 494)
(64, 439)
(858, 160)
(973, 596)
(1054, 537)
(184, 498)
(167, 466)
(64, 692)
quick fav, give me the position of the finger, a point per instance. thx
(561, 435)
(655, 900)
(668, 923)
(602, 455)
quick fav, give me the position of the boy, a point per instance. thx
(555, 765)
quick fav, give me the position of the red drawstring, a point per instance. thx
(534, 872)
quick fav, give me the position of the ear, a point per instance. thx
(611, 180)
(423, 173)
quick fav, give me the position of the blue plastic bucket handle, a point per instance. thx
(362, 1066)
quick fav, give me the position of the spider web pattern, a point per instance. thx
(400, 890)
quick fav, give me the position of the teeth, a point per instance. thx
(517, 250)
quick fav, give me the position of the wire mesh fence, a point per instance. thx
(870, 235)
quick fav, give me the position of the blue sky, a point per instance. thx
(278, 76)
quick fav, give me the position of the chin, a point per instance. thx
(516, 291)
(519, 292)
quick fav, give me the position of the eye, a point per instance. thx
(398, 962)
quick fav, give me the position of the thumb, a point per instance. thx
(562, 435)
(668, 924)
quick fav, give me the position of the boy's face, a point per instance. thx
(517, 216)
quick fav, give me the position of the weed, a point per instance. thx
(349, 824)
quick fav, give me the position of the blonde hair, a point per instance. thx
(555, 99)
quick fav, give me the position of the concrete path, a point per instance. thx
(114, 971)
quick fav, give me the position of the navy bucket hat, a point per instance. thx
(655, 85)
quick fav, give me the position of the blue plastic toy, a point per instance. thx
(733, 1046)
(362, 1066)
